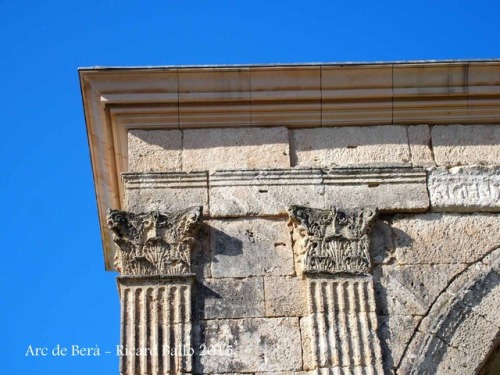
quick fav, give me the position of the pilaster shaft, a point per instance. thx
(155, 325)
(344, 325)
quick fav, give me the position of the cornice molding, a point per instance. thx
(295, 96)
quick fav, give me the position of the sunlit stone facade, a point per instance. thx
(319, 219)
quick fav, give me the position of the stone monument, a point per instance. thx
(302, 219)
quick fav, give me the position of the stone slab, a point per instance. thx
(419, 139)
(173, 191)
(285, 296)
(270, 192)
(250, 247)
(230, 298)
(444, 238)
(348, 145)
(264, 192)
(466, 144)
(410, 290)
(465, 189)
(395, 331)
(230, 148)
(270, 344)
(154, 150)
(389, 189)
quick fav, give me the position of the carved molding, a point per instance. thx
(335, 240)
(154, 243)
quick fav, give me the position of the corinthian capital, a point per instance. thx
(154, 243)
(335, 240)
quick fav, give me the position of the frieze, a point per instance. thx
(336, 240)
(466, 188)
(154, 243)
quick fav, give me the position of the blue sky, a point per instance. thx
(54, 288)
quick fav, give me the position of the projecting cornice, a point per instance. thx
(296, 96)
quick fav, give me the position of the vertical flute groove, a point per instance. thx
(313, 310)
(355, 317)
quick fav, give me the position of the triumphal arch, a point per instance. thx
(301, 219)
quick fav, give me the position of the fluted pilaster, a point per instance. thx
(155, 285)
(156, 325)
(343, 324)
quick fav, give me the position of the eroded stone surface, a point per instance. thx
(419, 139)
(165, 191)
(342, 324)
(336, 240)
(347, 145)
(250, 247)
(154, 243)
(230, 298)
(456, 322)
(285, 296)
(395, 332)
(410, 290)
(232, 148)
(466, 144)
(270, 192)
(270, 344)
(155, 316)
(444, 238)
(264, 192)
(154, 150)
(465, 189)
(388, 189)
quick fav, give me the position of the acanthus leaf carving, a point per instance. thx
(336, 240)
(154, 243)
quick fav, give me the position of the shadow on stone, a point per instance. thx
(385, 240)
(200, 295)
(201, 254)
(224, 244)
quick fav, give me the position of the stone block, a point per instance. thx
(285, 296)
(170, 192)
(466, 144)
(264, 192)
(465, 189)
(388, 189)
(347, 145)
(475, 335)
(230, 148)
(395, 331)
(419, 139)
(269, 344)
(489, 306)
(154, 150)
(230, 298)
(250, 247)
(411, 289)
(444, 238)
(271, 192)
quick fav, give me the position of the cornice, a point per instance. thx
(296, 96)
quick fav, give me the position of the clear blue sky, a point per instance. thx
(54, 289)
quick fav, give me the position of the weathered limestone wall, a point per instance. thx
(437, 189)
